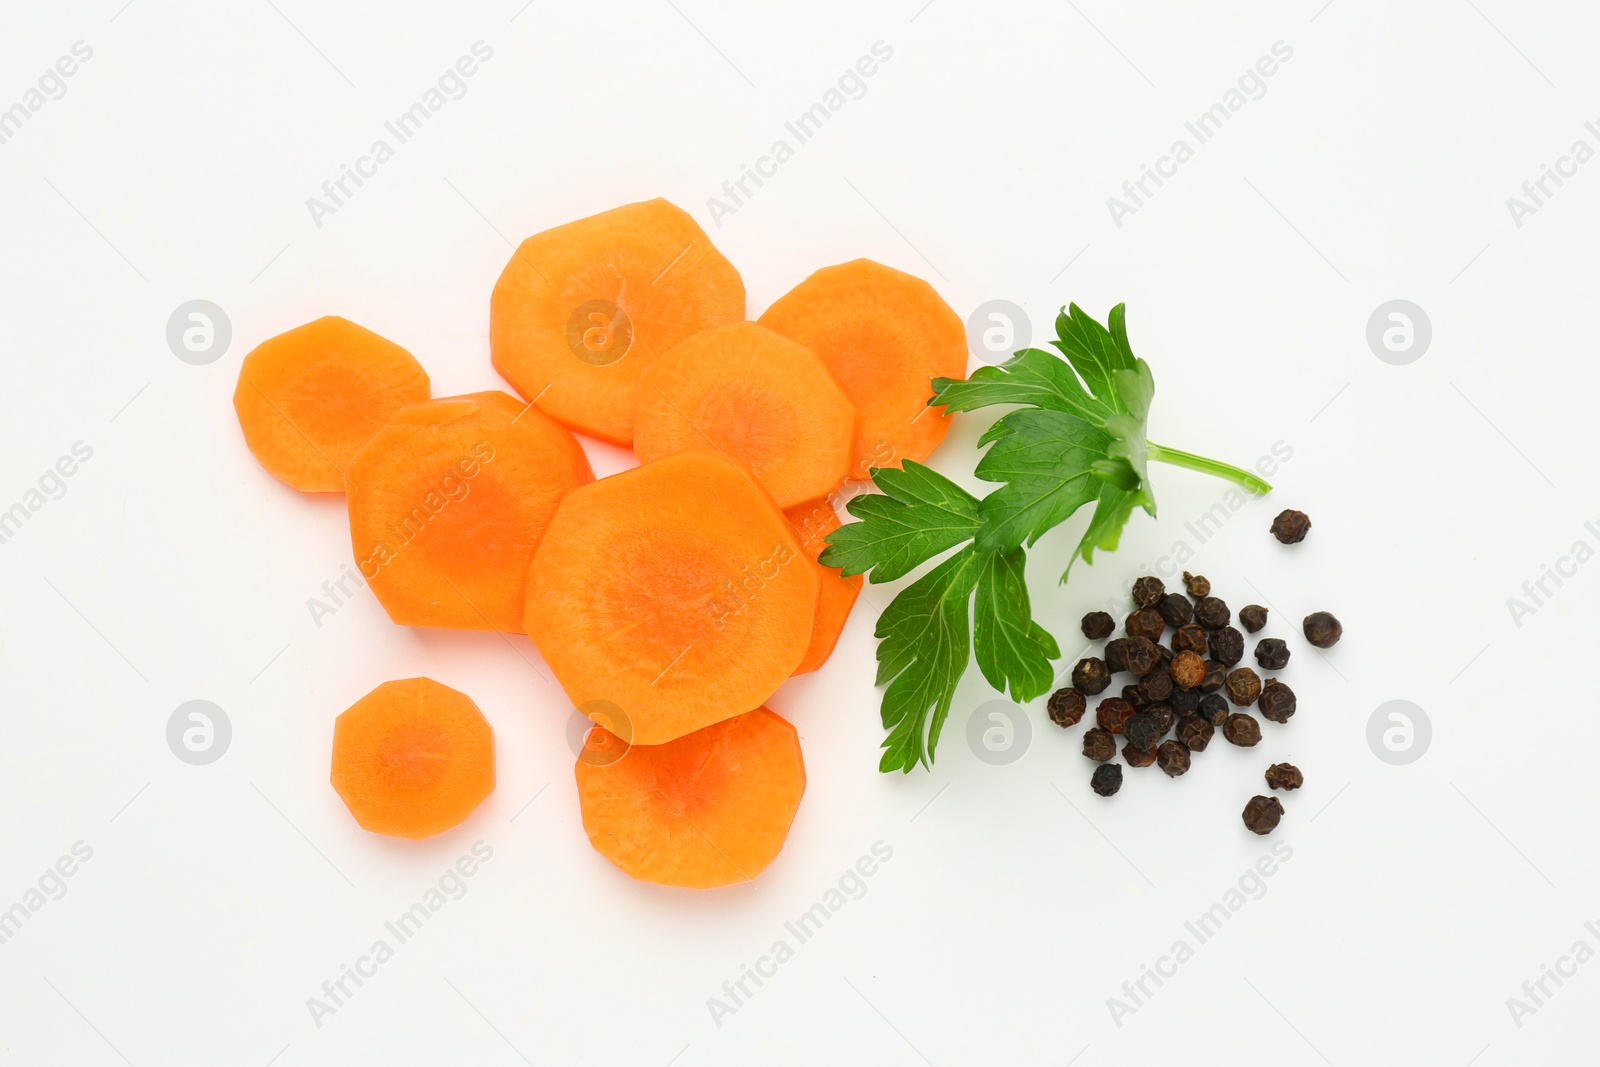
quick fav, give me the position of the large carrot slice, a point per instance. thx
(885, 335)
(709, 809)
(758, 398)
(309, 398)
(412, 758)
(674, 594)
(447, 502)
(836, 594)
(583, 308)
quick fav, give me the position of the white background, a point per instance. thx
(1376, 166)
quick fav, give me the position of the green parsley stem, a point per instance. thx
(1179, 458)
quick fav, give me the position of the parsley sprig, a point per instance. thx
(1077, 437)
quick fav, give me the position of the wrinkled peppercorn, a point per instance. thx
(1216, 677)
(1142, 732)
(1322, 629)
(1166, 657)
(1175, 609)
(1065, 707)
(1226, 645)
(1091, 675)
(1197, 585)
(1272, 654)
(1173, 757)
(1097, 625)
(1252, 617)
(1188, 670)
(1113, 714)
(1195, 732)
(1214, 709)
(1277, 701)
(1148, 591)
(1116, 658)
(1162, 714)
(1146, 623)
(1290, 526)
(1106, 780)
(1157, 686)
(1098, 744)
(1137, 757)
(1190, 638)
(1135, 695)
(1212, 613)
(1243, 686)
(1184, 701)
(1241, 730)
(1284, 776)
(1261, 815)
(1140, 656)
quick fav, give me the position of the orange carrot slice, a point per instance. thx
(885, 335)
(674, 592)
(412, 758)
(758, 398)
(309, 398)
(447, 502)
(583, 308)
(709, 809)
(836, 594)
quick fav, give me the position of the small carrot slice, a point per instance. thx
(674, 595)
(709, 809)
(836, 594)
(309, 398)
(885, 335)
(447, 502)
(758, 398)
(583, 308)
(412, 758)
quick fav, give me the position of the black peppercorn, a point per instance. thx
(1188, 670)
(1184, 701)
(1290, 526)
(1157, 686)
(1106, 780)
(1261, 815)
(1065, 707)
(1098, 744)
(1241, 730)
(1195, 732)
(1162, 714)
(1137, 757)
(1091, 676)
(1142, 732)
(1212, 613)
(1140, 656)
(1097, 625)
(1146, 623)
(1190, 638)
(1135, 695)
(1175, 609)
(1214, 709)
(1166, 657)
(1113, 714)
(1226, 645)
(1276, 701)
(1272, 654)
(1116, 659)
(1243, 685)
(1322, 629)
(1252, 617)
(1197, 585)
(1173, 757)
(1284, 776)
(1148, 591)
(1216, 677)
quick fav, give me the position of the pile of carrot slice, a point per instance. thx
(670, 600)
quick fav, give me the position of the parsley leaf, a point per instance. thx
(920, 514)
(1012, 650)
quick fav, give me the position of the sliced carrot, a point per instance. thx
(583, 308)
(756, 397)
(309, 398)
(885, 335)
(412, 758)
(709, 809)
(675, 592)
(447, 502)
(836, 594)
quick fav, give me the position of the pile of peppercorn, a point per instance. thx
(1189, 688)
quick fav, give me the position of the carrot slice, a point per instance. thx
(309, 398)
(583, 308)
(447, 502)
(836, 594)
(709, 809)
(758, 398)
(885, 335)
(674, 594)
(412, 758)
